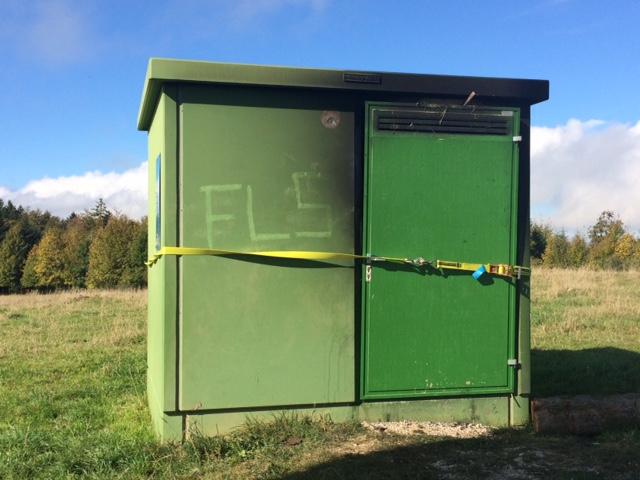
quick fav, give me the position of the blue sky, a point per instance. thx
(71, 75)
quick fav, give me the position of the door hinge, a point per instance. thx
(517, 139)
(513, 362)
(367, 273)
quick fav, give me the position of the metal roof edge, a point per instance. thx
(162, 70)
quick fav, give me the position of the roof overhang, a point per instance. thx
(160, 71)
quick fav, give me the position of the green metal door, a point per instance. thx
(440, 184)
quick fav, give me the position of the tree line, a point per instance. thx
(93, 249)
(606, 245)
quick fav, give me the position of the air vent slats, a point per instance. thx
(437, 122)
(445, 120)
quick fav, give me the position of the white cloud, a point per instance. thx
(581, 168)
(124, 192)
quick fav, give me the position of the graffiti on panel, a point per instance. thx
(220, 213)
(304, 184)
(309, 217)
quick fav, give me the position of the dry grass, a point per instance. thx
(585, 332)
(49, 322)
(585, 308)
(605, 286)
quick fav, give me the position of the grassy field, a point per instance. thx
(585, 332)
(72, 401)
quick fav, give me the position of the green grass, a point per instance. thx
(72, 400)
(585, 332)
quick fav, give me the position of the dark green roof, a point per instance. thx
(162, 70)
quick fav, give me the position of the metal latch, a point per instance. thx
(513, 362)
(517, 138)
(416, 262)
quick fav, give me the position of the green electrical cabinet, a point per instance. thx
(265, 159)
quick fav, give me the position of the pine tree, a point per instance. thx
(49, 267)
(109, 252)
(9, 214)
(100, 213)
(135, 273)
(538, 237)
(13, 254)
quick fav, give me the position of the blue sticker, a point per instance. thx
(158, 201)
(479, 273)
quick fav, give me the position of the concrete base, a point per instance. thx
(494, 411)
(519, 411)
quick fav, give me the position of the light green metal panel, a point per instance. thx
(450, 197)
(161, 344)
(155, 279)
(265, 171)
(169, 237)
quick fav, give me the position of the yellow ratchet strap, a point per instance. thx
(330, 257)
(478, 269)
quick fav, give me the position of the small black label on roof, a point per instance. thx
(362, 78)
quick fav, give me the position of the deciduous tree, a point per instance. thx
(49, 267)
(608, 226)
(556, 253)
(28, 279)
(77, 240)
(625, 249)
(578, 251)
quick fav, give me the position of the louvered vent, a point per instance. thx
(446, 119)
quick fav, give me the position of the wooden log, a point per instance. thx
(585, 414)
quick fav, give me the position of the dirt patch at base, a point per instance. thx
(436, 429)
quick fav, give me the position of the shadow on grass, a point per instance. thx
(596, 371)
(507, 454)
